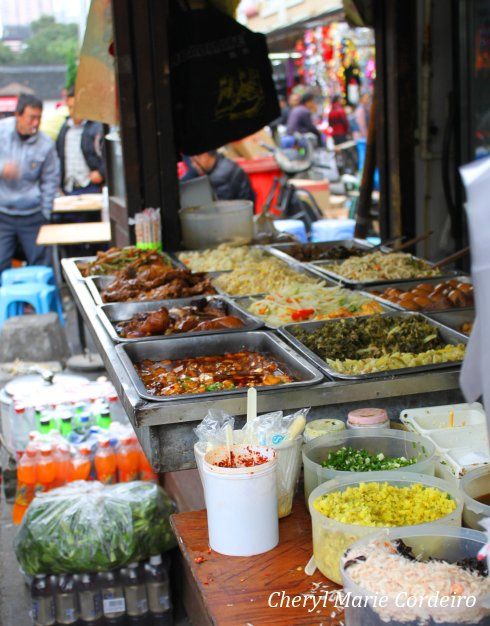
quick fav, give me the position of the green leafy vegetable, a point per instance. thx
(88, 527)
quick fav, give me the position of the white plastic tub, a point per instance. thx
(241, 502)
(428, 419)
(331, 538)
(474, 485)
(471, 436)
(440, 542)
(395, 443)
(219, 222)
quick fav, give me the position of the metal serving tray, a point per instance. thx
(317, 265)
(245, 301)
(453, 319)
(281, 250)
(84, 259)
(96, 284)
(115, 312)
(175, 255)
(406, 286)
(294, 265)
(207, 345)
(449, 336)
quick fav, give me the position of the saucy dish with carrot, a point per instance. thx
(204, 374)
(199, 316)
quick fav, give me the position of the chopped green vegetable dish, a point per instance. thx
(349, 459)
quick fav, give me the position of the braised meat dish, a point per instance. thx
(200, 315)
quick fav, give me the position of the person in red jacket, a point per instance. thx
(337, 119)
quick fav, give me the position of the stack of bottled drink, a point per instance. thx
(136, 595)
(77, 447)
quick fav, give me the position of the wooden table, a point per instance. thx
(235, 591)
(88, 202)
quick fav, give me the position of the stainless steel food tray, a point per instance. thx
(207, 345)
(294, 265)
(449, 336)
(453, 319)
(96, 284)
(317, 265)
(281, 250)
(73, 262)
(175, 256)
(115, 312)
(406, 286)
(245, 301)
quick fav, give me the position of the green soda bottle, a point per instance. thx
(104, 419)
(66, 426)
(46, 425)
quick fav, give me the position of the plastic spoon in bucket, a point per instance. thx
(251, 412)
(229, 440)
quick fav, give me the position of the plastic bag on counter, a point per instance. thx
(215, 429)
(272, 429)
(89, 527)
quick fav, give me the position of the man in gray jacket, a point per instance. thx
(29, 179)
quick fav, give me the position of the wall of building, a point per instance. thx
(275, 14)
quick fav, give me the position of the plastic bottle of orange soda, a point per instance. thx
(26, 484)
(46, 469)
(105, 463)
(128, 460)
(146, 470)
(63, 464)
(81, 464)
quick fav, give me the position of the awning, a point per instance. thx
(285, 38)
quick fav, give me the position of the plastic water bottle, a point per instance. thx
(66, 600)
(133, 577)
(158, 591)
(43, 606)
(113, 602)
(89, 599)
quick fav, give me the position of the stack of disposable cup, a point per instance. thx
(288, 468)
(241, 501)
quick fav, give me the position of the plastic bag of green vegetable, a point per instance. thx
(89, 527)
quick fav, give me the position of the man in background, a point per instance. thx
(362, 116)
(228, 180)
(79, 146)
(300, 118)
(29, 179)
(337, 119)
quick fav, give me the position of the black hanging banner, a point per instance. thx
(221, 79)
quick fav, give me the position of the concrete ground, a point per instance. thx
(15, 601)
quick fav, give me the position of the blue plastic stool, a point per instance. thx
(293, 227)
(28, 274)
(43, 298)
(332, 230)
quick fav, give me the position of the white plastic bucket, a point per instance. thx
(241, 502)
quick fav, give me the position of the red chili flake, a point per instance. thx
(249, 460)
(199, 559)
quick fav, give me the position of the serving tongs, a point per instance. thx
(412, 242)
(451, 258)
(386, 242)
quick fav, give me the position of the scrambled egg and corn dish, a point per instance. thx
(382, 504)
